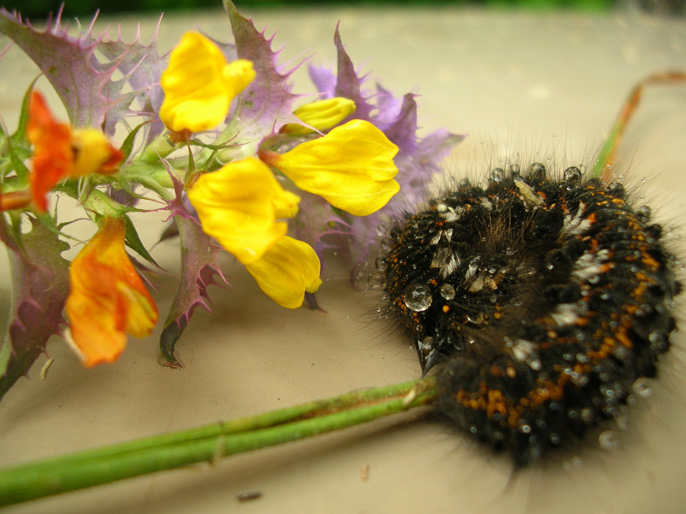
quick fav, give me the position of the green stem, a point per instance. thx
(607, 153)
(207, 443)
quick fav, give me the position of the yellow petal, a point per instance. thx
(93, 153)
(351, 167)
(199, 85)
(239, 206)
(107, 297)
(239, 74)
(286, 271)
(321, 115)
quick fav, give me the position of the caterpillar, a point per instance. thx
(539, 302)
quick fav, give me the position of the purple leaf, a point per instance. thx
(403, 130)
(315, 219)
(81, 69)
(199, 269)
(141, 66)
(349, 84)
(267, 103)
(40, 285)
(387, 108)
(323, 79)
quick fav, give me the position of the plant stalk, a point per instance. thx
(207, 443)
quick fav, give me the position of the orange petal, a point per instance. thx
(107, 298)
(52, 157)
(60, 152)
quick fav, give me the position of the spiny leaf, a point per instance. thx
(266, 104)
(349, 84)
(40, 285)
(83, 81)
(199, 269)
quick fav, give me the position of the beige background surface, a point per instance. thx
(525, 86)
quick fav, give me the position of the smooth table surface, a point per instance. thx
(525, 87)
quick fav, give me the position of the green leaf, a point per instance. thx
(134, 242)
(127, 145)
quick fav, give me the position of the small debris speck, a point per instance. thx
(247, 497)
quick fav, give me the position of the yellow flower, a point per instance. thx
(351, 167)
(107, 297)
(321, 115)
(239, 206)
(288, 269)
(199, 84)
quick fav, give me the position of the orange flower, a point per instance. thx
(107, 298)
(60, 151)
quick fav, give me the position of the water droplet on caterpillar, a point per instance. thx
(608, 440)
(376, 280)
(643, 213)
(447, 291)
(417, 297)
(642, 387)
(498, 175)
(572, 175)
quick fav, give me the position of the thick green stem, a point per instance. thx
(104, 465)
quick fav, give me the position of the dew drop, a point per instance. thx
(447, 291)
(376, 280)
(643, 214)
(524, 427)
(608, 440)
(534, 363)
(642, 387)
(417, 297)
(622, 421)
(498, 175)
(616, 189)
(381, 264)
(537, 171)
(572, 175)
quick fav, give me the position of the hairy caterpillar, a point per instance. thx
(539, 303)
